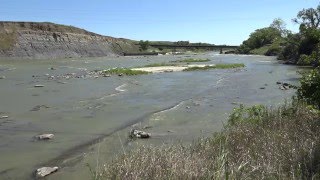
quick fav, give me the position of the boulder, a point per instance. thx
(134, 133)
(4, 117)
(45, 136)
(2, 77)
(45, 171)
(38, 85)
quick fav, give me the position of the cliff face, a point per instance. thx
(48, 40)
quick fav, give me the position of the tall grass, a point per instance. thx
(257, 143)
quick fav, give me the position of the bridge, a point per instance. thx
(195, 46)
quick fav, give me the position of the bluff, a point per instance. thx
(36, 40)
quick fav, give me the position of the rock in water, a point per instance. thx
(39, 85)
(2, 77)
(45, 136)
(45, 171)
(139, 134)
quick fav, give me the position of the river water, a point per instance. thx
(91, 116)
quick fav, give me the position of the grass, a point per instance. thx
(193, 60)
(257, 143)
(123, 71)
(159, 65)
(217, 66)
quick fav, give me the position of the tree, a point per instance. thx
(262, 37)
(144, 45)
(309, 18)
(280, 25)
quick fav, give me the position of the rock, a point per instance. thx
(38, 85)
(279, 82)
(285, 84)
(147, 127)
(263, 88)
(45, 171)
(106, 75)
(52, 68)
(38, 107)
(4, 117)
(120, 74)
(169, 70)
(283, 87)
(139, 134)
(45, 136)
(2, 77)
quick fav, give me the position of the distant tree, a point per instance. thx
(183, 43)
(309, 18)
(144, 45)
(280, 25)
(262, 37)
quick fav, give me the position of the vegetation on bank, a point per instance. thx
(257, 143)
(159, 64)
(217, 66)
(302, 48)
(265, 41)
(123, 71)
(193, 60)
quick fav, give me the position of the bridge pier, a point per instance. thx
(221, 51)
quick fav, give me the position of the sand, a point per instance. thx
(162, 69)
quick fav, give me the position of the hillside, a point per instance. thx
(35, 40)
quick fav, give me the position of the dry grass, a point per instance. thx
(256, 144)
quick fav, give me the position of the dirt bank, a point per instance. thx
(48, 41)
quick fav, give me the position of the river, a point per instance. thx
(91, 116)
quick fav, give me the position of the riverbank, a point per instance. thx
(257, 143)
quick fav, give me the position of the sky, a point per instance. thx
(212, 21)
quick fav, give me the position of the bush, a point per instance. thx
(304, 60)
(273, 51)
(310, 88)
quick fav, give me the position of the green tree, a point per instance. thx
(144, 45)
(259, 38)
(280, 25)
(309, 18)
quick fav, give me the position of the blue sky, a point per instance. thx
(213, 21)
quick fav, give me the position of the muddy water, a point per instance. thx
(91, 116)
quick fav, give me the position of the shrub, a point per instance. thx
(310, 87)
